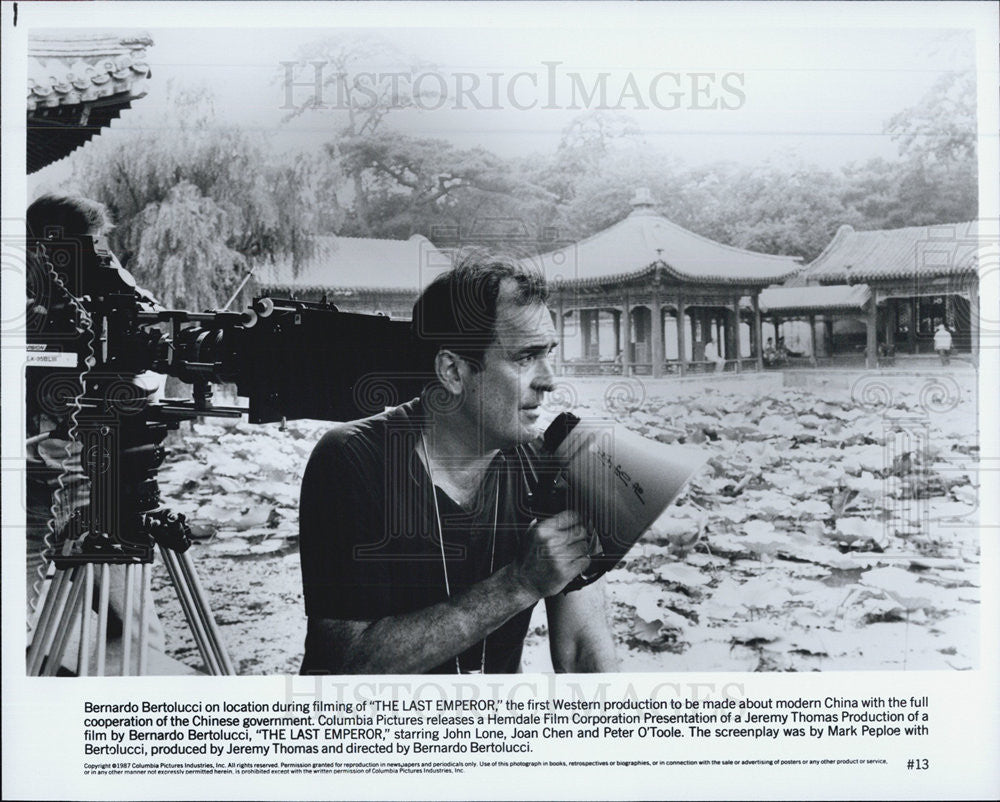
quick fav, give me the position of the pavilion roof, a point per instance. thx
(77, 84)
(644, 242)
(899, 253)
(814, 299)
(359, 264)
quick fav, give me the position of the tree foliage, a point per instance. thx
(431, 187)
(197, 204)
(941, 128)
(182, 249)
(180, 163)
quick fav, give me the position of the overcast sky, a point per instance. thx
(703, 83)
(821, 93)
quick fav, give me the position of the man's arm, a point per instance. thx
(418, 641)
(579, 635)
(555, 552)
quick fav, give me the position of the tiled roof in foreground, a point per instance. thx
(77, 84)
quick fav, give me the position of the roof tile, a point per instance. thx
(77, 83)
(899, 253)
(344, 263)
(70, 68)
(643, 241)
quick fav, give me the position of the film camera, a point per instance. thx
(95, 344)
(94, 335)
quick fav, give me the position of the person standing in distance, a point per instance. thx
(712, 355)
(942, 343)
(418, 551)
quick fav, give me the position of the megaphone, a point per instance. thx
(618, 481)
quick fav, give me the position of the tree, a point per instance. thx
(936, 179)
(416, 185)
(154, 184)
(350, 70)
(941, 128)
(792, 210)
(587, 144)
(181, 252)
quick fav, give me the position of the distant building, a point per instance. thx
(916, 277)
(658, 293)
(358, 274)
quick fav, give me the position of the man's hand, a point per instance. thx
(555, 551)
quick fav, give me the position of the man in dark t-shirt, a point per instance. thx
(418, 550)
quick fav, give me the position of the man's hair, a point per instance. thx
(458, 309)
(66, 215)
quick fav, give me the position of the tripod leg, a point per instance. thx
(201, 604)
(145, 576)
(83, 661)
(44, 592)
(69, 612)
(45, 629)
(127, 623)
(170, 560)
(103, 603)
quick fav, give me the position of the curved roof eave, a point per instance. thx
(647, 232)
(355, 290)
(614, 278)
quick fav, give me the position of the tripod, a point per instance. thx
(83, 567)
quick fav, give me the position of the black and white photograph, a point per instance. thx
(649, 345)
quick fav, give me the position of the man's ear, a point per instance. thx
(451, 371)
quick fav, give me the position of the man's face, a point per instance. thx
(504, 397)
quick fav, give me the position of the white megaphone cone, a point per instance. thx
(618, 481)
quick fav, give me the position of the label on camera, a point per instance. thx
(38, 357)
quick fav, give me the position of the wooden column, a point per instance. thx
(584, 333)
(625, 325)
(736, 334)
(758, 332)
(656, 323)
(681, 335)
(911, 335)
(871, 332)
(890, 322)
(812, 340)
(974, 320)
(561, 334)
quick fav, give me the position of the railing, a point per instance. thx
(671, 367)
(591, 368)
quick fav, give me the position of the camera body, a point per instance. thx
(96, 342)
(290, 358)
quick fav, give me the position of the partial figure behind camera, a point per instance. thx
(57, 485)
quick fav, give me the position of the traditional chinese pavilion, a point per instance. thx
(917, 277)
(659, 293)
